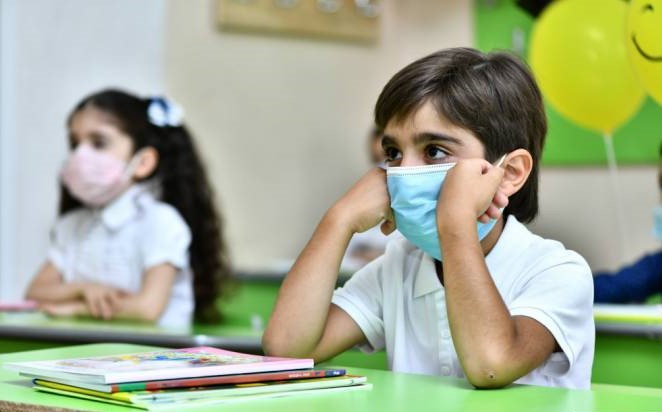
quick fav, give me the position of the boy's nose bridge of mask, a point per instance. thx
(400, 170)
(433, 169)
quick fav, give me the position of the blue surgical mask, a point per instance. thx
(657, 222)
(414, 192)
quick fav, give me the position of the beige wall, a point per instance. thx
(282, 120)
(580, 207)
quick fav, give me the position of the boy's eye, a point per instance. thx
(392, 154)
(435, 152)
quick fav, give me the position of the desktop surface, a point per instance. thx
(390, 392)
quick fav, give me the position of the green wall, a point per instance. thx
(637, 142)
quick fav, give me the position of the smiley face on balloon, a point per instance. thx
(644, 43)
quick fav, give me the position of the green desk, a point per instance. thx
(391, 392)
(27, 331)
(245, 315)
(628, 345)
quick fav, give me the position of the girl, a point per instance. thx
(138, 235)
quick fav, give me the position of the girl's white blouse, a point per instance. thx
(116, 244)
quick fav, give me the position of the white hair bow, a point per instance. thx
(163, 112)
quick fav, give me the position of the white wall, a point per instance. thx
(54, 53)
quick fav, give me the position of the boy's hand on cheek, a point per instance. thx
(471, 192)
(499, 201)
(365, 204)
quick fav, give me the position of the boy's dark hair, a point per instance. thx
(183, 184)
(492, 95)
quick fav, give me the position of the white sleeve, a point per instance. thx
(60, 236)
(361, 298)
(560, 297)
(166, 239)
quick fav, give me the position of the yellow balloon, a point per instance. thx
(579, 59)
(644, 44)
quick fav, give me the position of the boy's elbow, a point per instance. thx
(487, 379)
(281, 346)
(270, 348)
(275, 346)
(489, 374)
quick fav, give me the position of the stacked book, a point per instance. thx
(173, 378)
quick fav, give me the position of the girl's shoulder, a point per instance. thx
(159, 214)
(163, 232)
(73, 218)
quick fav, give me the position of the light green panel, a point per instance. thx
(637, 142)
(627, 360)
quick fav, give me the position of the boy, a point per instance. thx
(469, 292)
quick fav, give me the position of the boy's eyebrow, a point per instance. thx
(425, 137)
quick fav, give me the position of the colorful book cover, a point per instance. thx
(196, 382)
(157, 365)
(228, 393)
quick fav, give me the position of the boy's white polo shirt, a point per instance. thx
(116, 244)
(400, 305)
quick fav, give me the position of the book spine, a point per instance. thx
(232, 379)
(129, 387)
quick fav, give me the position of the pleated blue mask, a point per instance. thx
(414, 192)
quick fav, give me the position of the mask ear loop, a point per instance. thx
(383, 165)
(133, 164)
(499, 162)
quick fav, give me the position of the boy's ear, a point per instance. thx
(147, 161)
(517, 168)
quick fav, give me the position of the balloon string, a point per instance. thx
(620, 216)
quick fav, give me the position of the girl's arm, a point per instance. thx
(494, 347)
(48, 288)
(304, 323)
(148, 304)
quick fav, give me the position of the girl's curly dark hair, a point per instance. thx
(184, 185)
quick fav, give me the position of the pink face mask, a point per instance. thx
(95, 178)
